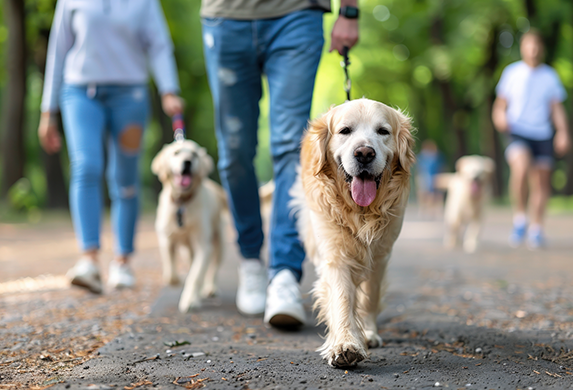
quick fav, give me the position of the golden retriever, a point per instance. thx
(350, 200)
(189, 216)
(467, 189)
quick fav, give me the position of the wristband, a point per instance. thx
(349, 12)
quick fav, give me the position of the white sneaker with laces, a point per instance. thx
(120, 276)
(251, 293)
(86, 274)
(284, 301)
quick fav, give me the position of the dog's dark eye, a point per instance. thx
(383, 131)
(177, 152)
(345, 131)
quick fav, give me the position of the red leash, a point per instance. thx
(178, 127)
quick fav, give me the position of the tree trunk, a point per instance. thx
(568, 190)
(12, 149)
(450, 105)
(494, 147)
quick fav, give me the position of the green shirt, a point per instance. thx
(257, 9)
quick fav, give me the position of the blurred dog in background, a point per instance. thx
(467, 191)
(189, 218)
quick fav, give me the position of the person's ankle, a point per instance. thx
(122, 259)
(91, 255)
(535, 228)
(251, 259)
(520, 219)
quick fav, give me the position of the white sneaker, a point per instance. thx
(120, 276)
(251, 293)
(284, 301)
(86, 274)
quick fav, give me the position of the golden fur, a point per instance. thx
(350, 244)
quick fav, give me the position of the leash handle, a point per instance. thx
(345, 63)
(178, 127)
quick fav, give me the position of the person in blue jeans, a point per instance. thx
(282, 40)
(96, 75)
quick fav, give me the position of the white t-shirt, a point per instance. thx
(529, 93)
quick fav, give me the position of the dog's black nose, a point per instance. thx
(364, 154)
(187, 166)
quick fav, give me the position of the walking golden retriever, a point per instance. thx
(350, 200)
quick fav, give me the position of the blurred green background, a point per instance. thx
(439, 60)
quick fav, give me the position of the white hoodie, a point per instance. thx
(108, 42)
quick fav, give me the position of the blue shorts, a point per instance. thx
(541, 150)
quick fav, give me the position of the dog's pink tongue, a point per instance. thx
(184, 180)
(475, 188)
(363, 191)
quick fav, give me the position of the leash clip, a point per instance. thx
(178, 127)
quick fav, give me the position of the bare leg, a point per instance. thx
(91, 254)
(519, 164)
(540, 177)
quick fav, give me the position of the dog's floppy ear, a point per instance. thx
(158, 165)
(460, 164)
(405, 142)
(315, 144)
(489, 165)
(207, 164)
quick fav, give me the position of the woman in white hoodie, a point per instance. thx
(99, 57)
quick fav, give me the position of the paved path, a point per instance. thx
(497, 319)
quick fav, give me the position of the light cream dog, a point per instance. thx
(350, 200)
(467, 189)
(189, 217)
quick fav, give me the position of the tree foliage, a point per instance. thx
(439, 60)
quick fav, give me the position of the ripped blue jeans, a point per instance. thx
(237, 54)
(94, 116)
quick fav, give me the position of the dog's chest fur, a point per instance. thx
(178, 217)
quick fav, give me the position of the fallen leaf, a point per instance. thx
(138, 384)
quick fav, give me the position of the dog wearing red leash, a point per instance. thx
(189, 218)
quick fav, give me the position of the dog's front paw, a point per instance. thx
(209, 291)
(344, 355)
(187, 305)
(373, 339)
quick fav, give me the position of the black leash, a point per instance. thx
(345, 63)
